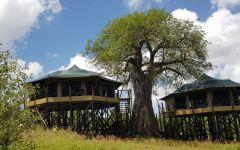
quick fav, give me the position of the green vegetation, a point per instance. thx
(14, 121)
(69, 140)
(149, 48)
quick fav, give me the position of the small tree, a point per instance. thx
(149, 48)
(15, 122)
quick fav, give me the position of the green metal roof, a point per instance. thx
(204, 82)
(73, 72)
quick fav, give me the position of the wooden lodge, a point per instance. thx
(82, 100)
(75, 85)
(205, 95)
(91, 104)
(208, 108)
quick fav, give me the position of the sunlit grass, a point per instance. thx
(69, 140)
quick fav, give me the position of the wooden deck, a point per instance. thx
(85, 98)
(207, 110)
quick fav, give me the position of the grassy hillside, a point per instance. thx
(68, 140)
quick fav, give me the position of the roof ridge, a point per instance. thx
(204, 77)
(76, 68)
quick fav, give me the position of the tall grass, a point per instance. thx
(69, 140)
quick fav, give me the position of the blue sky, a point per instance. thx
(48, 34)
(79, 21)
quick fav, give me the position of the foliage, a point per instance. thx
(150, 48)
(150, 45)
(14, 120)
(66, 139)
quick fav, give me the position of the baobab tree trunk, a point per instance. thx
(143, 119)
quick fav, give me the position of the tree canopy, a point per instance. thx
(151, 43)
(148, 48)
(14, 120)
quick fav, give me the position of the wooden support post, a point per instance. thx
(194, 119)
(46, 107)
(170, 125)
(210, 99)
(164, 121)
(70, 108)
(213, 120)
(160, 117)
(235, 116)
(185, 128)
(93, 119)
(78, 119)
(204, 127)
(65, 117)
(102, 121)
(117, 109)
(72, 117)
(58, 116)
(231, 99)
(188, 104)
(59, 89)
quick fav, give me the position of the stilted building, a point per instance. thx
(82, 100)
(208, 108)
(204, 96)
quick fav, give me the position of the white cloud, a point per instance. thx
(19, 17)
(53, 6)
(223, 32)
(158, 1)
(185, 14)
(140, 4)
(82, 62)
(133, 4)
(225, 3)
(52, 55)
(33, 68)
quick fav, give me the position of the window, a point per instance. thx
(108, 91)
(180, 102)
(76, 88)
(65, 88)
(41, 92)
(236, 96)
(52, 90)
(238, 101)
(92, 87)
(221, 98)
(199, 100)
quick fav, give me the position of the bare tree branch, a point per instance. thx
(161, 64)
(173, 70)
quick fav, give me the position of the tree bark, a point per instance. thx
(143, 118)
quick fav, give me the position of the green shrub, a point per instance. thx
(15, 122)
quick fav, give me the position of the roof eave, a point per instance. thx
(196, 90)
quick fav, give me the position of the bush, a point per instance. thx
(15, 121)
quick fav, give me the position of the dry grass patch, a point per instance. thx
(69, 140)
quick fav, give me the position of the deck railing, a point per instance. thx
(42, 93)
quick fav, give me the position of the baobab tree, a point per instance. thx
(149, 48)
